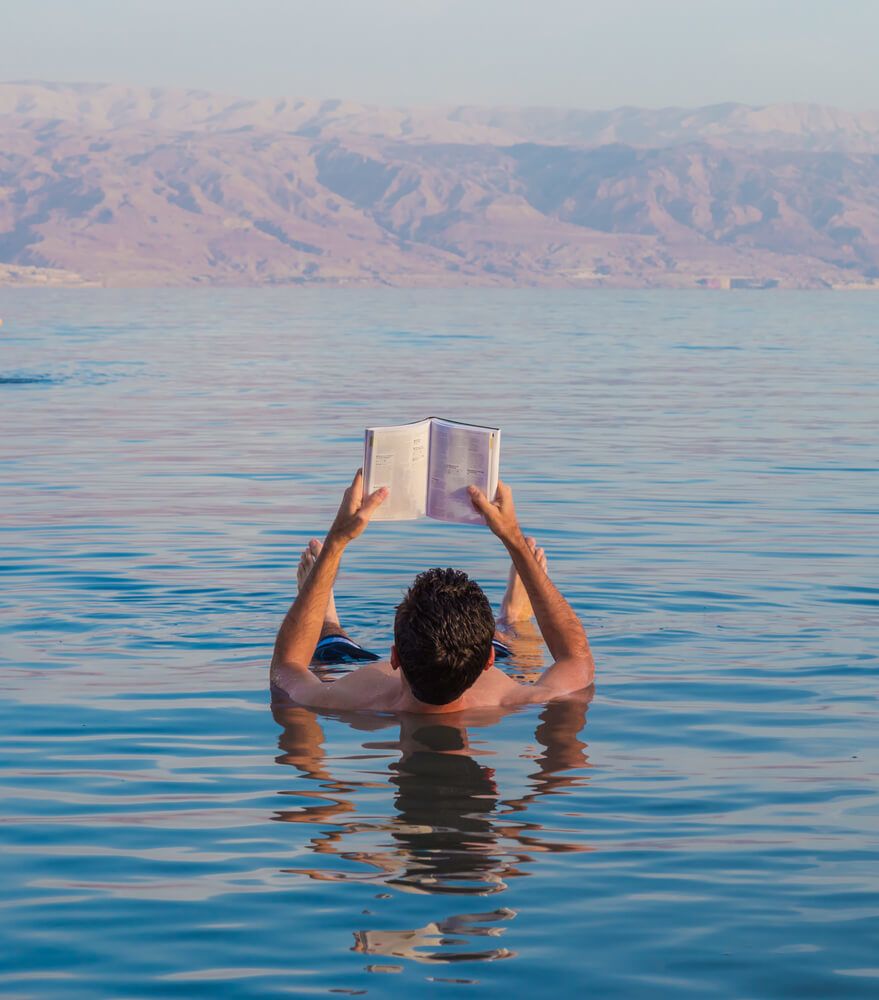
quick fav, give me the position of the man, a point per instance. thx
(443, 655)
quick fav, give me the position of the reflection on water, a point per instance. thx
(449, 940)
(453, 830)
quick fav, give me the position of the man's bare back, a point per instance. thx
(383, 685)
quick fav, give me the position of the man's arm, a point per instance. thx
(300, 630)
(561, 629)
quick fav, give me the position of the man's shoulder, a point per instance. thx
(494, 687)
(371, 686)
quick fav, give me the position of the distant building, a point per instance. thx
(753, 282)
(723, 281)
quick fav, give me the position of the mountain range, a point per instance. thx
(112, 185)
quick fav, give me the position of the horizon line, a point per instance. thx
(451, 105)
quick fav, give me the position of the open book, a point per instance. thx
(428, 465)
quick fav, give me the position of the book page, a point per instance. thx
(461, 455)
(396, 457)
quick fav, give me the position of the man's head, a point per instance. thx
(442, 635)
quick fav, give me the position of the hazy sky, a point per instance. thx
(575, 53)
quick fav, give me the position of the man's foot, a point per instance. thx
(306, 561)
(516, 607)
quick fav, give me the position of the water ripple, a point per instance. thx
(701, 471)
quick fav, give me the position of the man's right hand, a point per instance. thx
(499, 515)
(561, 629)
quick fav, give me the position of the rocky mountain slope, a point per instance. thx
(126, 186)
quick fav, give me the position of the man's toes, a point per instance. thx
(303, 567)
(314, 547)
(530, 543)
(306, 560)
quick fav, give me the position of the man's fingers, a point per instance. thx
(478, 499)
(371, 504)
(357, 486)
(352, 496)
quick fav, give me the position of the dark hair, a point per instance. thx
(443, 632)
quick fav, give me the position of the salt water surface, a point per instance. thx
(702, 470)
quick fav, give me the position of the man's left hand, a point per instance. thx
(355, 511)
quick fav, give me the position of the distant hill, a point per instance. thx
(126, 186)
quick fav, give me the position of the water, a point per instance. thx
(702, 470)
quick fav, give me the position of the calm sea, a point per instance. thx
(702, 470)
